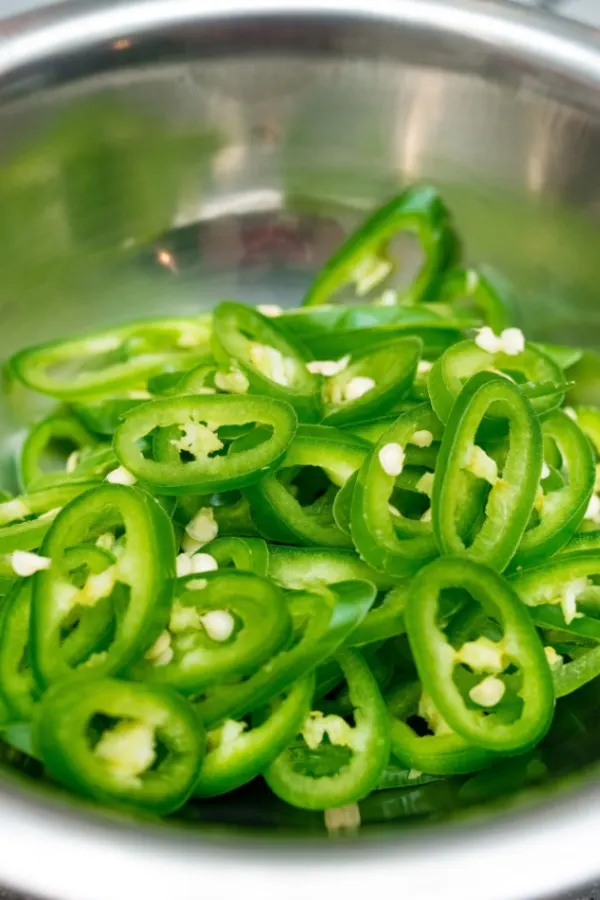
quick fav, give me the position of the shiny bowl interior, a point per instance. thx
(162, 155)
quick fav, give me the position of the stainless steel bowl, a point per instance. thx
(256, 132)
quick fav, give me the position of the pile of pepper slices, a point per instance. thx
(343, 546)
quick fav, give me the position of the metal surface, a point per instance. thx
(307, 112)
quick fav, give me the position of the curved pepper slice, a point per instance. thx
(312, 774)
(383, 537)
(307, 568)
(274, 364)
(386, 372)
(305, 518)
(463, 289)
(148, 760)
(561, 511)
(23, 533)
(141, 581)
(506, 711)
(246, 553)
(93, 627)
(223, 626)
(442, 752)
(235, 755)
(322, 622)
(366, 259)
(187, 427)
(48, 445)
(553, 589)
(544, 381)
(100, 362)
(513, 493)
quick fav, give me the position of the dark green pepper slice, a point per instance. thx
(466, 289)
(313, 774)
(235, 755)
(187, 427)
(146, 757)
(511, 709)
(366, 259)
(513, 490)
(141, 581)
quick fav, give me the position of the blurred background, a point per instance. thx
(585, 10)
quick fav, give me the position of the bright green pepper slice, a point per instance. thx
(553, 589)
(148, 760)
(307, 568)
(384, 538)
(107, 360)
(253, 623)
(235, 755)
(513, 492)
(505, 712)
(387, 373)
(366, 259)
(561, 510)
(48, 446)
(322, 622)
(189, 427)
(443, 753)
(273, 363)
(17, 684)
(307, 519)
(103, 416)
(462, 289)
(248, 554)
(314, 775)
(544, 380)
(44, 506)
(141, 582)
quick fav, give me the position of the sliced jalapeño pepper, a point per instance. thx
(436, 752)
(384, 538)
(49, 445)
(306, 568)
(140, 583)
(509, 698)
(314, 774)
(223, 626)
(189, 456)
(367, 260)
(513, 490)
(246, 553)
(462, 289)
(147, 757)
(273, 363)
(88, 628)
(373, 383)
(237, 753)
(543, 381)
(301, 512)
(100, 362)
(561, 511)
(322, 622)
